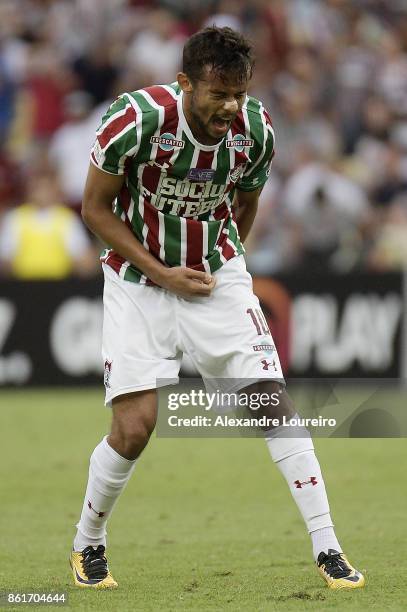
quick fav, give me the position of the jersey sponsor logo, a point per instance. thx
(239, 142)
(167, 142)
(185, 197)
(264, 348)
(201, 175)
(236, 173)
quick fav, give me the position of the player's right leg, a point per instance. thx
(111, 465)
(139, 347)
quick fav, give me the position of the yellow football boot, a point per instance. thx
(336, 570)
(90, 569)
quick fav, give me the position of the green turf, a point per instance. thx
(204, 524)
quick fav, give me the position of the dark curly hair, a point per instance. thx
(226, 51)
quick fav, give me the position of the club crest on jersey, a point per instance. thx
(239, 142)
(236, 172)
(200, 175)
(167, 142)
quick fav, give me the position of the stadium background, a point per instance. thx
(329, 244)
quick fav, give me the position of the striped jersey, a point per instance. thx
(177, 194)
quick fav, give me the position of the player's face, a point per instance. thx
(211, 104)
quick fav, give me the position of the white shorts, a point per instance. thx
(146, 330)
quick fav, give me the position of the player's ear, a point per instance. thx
(184, 82)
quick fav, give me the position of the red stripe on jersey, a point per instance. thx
(161, 96)
(269, 122)
(221, 212)
(233, 214)
(199, 267)
(194, 228)
(116, 126)
(194, 243)
(227, 250)
(127, 165)
(150, 178)
(238, 126)
(125, 200)
(115, 261)
(205, 159)
(267, 117)
(151, 220)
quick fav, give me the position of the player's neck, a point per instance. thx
(198, 131)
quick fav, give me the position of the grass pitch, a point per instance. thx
(205, 524)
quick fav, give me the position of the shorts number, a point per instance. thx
(259, 321)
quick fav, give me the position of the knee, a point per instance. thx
(134, 418)
(131, 429)
(130, 437)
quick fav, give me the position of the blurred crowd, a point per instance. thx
(333, 74)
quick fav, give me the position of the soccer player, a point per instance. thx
(184, 165)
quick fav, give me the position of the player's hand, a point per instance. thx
(186, 282)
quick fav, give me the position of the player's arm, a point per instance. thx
(246, 203)
(100, 191)
(251, 183)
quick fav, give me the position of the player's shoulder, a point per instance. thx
(256, 110)
(154, 98)
(259, 119)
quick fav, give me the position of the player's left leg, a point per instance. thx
(237, 347)
(292, 450)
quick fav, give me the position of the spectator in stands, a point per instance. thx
(43, 240)
(157, 50)
(297, 124)
(328, 211)
(97, 73)
(71, 143)
(10, 181)
(228, 14)
(391, 81)
(6, 101)
(48, 81)
(389, 251)
(333, 74)
(272, 245)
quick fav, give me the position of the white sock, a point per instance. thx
(108, 475)
(295, 457)
(324, 540)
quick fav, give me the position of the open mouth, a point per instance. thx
(221, 124)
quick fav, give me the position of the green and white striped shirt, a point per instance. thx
(177, 195)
